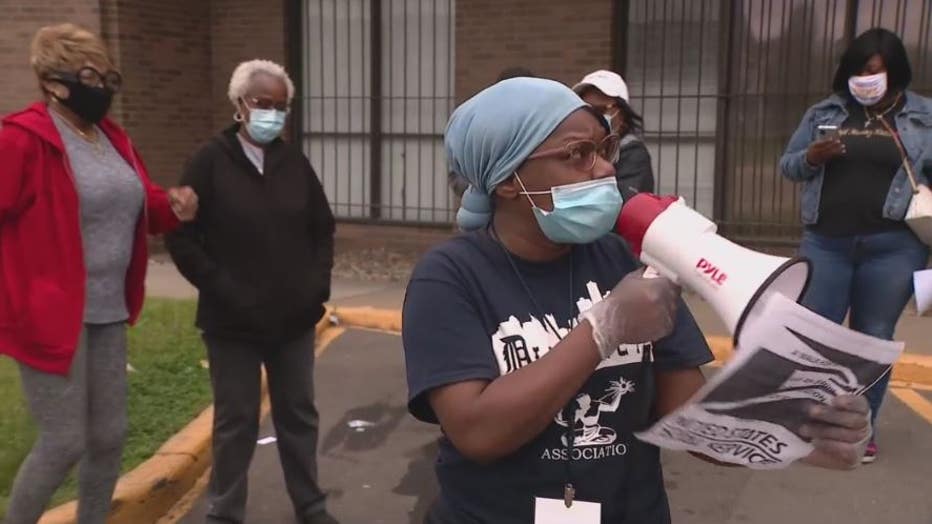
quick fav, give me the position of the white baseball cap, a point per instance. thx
(605, 81)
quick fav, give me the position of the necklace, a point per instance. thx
(868, 117)
(87, 137)
(569, 437)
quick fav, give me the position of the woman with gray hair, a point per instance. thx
(260, 253)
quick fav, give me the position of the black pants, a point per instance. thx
(236, 380)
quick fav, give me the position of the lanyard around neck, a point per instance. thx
(569, 492)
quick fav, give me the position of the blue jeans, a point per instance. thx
(870, 275)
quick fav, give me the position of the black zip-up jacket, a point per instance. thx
(632, 169)
(261, 249)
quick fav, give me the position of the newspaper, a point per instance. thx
(751, 411)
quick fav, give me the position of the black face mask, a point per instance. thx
(89, 103)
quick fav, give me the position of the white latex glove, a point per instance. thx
(638, 310)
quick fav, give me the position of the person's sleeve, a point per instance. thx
(321, 228)
(443, 335)
(16, 193)
(686, 347)
(633, 170)
(161, 217)
(186, 244)
(793, 164)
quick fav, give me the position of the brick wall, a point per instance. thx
(559, 39)
(163, 49)
(20, 20)
(176, 57)
(241, 30)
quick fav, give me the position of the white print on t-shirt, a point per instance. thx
(591, 440)
(588, 410)
(517, 344)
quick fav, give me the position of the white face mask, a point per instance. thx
(868, 89)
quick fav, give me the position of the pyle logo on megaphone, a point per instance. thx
(682, 245)
(711, 272)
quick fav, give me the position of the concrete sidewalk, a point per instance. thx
(163, 280)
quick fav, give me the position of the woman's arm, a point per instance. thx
(15, 192)
(675, 388)
(162, 218)
(186, 243)
(793, 164)
(490, 420)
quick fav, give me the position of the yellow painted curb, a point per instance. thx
(913, 368)
(915, 401)
(151, 489)
(324, 323)
(369, 318)
(910, 368)
(157, 483)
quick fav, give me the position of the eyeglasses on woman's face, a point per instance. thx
(91, 77)
(582, 154)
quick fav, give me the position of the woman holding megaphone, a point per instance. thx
(537, 375)
(855, 153)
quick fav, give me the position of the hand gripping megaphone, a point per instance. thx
(682, 245)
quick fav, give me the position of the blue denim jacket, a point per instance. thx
(914, 125)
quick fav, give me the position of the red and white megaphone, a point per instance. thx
(682, 245)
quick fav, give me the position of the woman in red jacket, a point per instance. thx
(75, 206)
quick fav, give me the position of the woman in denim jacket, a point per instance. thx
(855, 190)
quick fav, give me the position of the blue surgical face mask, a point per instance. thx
(582, 212)
(265, 124)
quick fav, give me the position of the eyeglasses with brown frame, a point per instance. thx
(582, 153)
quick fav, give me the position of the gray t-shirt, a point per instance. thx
(111, 197)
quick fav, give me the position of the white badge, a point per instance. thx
(554, 511)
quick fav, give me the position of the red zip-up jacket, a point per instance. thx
(42, 273)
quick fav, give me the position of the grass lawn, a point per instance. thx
(167, 389)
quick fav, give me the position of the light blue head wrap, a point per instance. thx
(492, 133)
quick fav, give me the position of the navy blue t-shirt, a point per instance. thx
(467, 316)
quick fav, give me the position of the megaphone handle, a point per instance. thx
(656, 269)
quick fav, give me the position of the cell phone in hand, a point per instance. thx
(825, 131)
